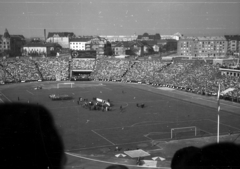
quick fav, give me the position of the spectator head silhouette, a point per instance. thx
(213, 156)
(28, 138)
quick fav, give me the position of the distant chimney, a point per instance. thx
(45, 35)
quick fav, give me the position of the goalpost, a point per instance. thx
(183, 131)
(65, 85)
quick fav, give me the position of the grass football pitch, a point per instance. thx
(82, 128)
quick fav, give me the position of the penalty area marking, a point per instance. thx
(155, 133)
(5, 97)
(30, 92)
(1, 101)
(238, 129)
(205, 131)
(103, 137)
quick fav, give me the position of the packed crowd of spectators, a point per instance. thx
(196, 77)
(111, 69)
(2, 73)
(83, 64)
(144, 71)
(17, 70)
(53, 68)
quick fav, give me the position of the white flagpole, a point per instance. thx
(218, 120)
(218, 129)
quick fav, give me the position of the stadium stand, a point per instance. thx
(52, 67)
(196, 77)
(83, 64)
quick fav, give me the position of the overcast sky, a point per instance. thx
(120, 17)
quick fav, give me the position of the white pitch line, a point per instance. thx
(103, 137)
(225, 125)
(6, 97)
(30, 92)
(138, 142)
(200, 98)
(1, 100)
(221, 103)
(147, 135)
(205, 131)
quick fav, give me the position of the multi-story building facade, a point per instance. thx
(233, 44)
(212, 46)
(97, 44)
(78, 43)
(120, 48)
(62, 38)
(11, 45)
(187, 46)
(203, 46)
(5, 41)
(16, 44)
(41, 49)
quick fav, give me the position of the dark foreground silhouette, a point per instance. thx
(213, 156)
(116, 167)
(28, 138)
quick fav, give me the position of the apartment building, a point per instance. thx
(187, 46)
(120, 48)
(233, 44)
(207, 46)
(41, 49)
(62, 38)
(97, 44)
(11, 45)
(5, 41)
(78, 43)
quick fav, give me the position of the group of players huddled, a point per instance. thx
(95, 104)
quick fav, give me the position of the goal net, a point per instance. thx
(65, 85)
(183, 132)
